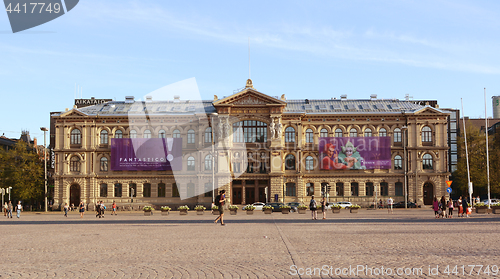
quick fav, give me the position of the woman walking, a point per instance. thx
(114, 208)
(312, 207)
(82, 209)
(435, 206)
(443, 206)
(460, 207)
(450, 208)
(324, 204)
(66, 208)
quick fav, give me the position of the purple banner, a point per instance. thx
(158, 154)
(355, 153)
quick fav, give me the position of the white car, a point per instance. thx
(493, 201)
(258, 205)
(344, 204)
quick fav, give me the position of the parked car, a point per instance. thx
(258, 205)
(293, 206)
(493, 201)
(344, 204)
(276, 206)
(401, 204)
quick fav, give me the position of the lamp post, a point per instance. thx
(44, 129)
(405, 192)
(213, 154)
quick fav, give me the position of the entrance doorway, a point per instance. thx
(428, 193)
(74, 195)
(250, 195)
(237, 195)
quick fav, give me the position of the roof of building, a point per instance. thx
(351, 105)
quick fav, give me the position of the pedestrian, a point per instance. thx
(313, 206)
(442, 204)
(450, 208)
(460, 207)
(5, 206)
(390, 202)
(114, 208)
(324, 204)
(478, 200)
(103, 209)
(66, 208)
(9, 209)
(98, 209)
(381, 204)
(72, 207)
(465, 206)
(19, 208)
(221, 200)
(81, 209)
(435, 206)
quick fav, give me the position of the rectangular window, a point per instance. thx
(104, 190)
(208, 189)
(290, 190)
(399, 189)
(146, 190)
(175, 191)
(309, 189)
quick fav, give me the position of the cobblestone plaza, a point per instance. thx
(370, 244)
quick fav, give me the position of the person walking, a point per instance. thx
(465, 206)
(81, 209)
(313, 206)
(9, 209)
(450, 208)
(324, 204)
(460, 207)
(435, 206)
(442, 203)
(390, 202)
(5, 206)
(113, 206)
(19, 208)
(66, 209)
(98, 209)
(221, 198)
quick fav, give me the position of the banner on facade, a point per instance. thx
(355, 153)
(157, 154)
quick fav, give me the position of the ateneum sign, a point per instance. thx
(156, 154)
(90, 102)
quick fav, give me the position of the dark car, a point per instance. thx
(276, 206)
(293, 206)
(401, 204)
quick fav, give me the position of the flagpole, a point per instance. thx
(487, 153)
(467, 155)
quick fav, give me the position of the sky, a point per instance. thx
(431, 50)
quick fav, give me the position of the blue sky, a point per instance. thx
(444, 50)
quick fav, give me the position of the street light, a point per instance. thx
(213, 154)
(405, 128)
(44, 129)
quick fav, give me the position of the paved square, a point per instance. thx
(369, 244)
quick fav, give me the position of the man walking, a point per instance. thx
(390, 202)
(219, 201)
(19, 209)
(9, 210)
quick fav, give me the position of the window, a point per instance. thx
(384, 189)
(399, 188)
(338, 133)
(427, 162)
(162, 134)
(104, 164)
(289, 162)
(208, 190)
(208, 135)
(191, 190)
(103, 190)
(104, 137)
(161, 190)
(309, 136)
(191, 164)
(290, 189)
(118, 134)
(146, 190)
(191, 137)
(147, 134)
(382, 132)
(369, 189)
(176, 134)
(76, 137)
(323, 133)
(353, 133)
(309, 163)
(354, 189)
(175, 190)
(398, 162)
(250, 131)
(339, 191)
(132, 190)
(74, 164)
(426, 136)
(309, 189)
(368, 132)
(397, 136)
(118, 190)
(133, 134)
(289, 134)
(208, 162)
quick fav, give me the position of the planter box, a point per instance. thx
(148, 213)
(233, 212)
(285, 210)
(335, 210)
(481, 210)
(199, 212)
(496, 210)
(215, 212)
(164, 213)
(249, 212)
(354, 210)
(183, 212)
(301, 211)
(268, 211)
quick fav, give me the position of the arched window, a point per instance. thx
(146, 190)
(289, 162)
(323, 133)
(309, 136)
(147, 134)
(309, 189)
(104, 164)
(191, 137)
(289, 134)
(353, 133)
(176, 134)
(208, 135)
(309, 163)
(399, 189)
(191, 164)
(104, 137)
(369, 188)
(162, 134)
(426, 136)
(382, 132)
(250, 131)
(339, 191)
(76, 137)
(368, 132)
(397, 136)
(354, 189)
(384, 189)
(118, 134)
(291, 190)
(161, 190)
(118, 190)
(208, 162)
(427, 162)
(398, 162)
(103, 190)
(338, 133)
(133, 134)
(74, 164)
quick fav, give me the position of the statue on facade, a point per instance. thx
(271, 128)
(279, 128)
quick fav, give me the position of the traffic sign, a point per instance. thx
(448, 190)
(448, 182)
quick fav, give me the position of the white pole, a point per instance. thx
(487, 153)
(466, 154)
(45, 165)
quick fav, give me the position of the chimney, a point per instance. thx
(149, 99)
(343, 97)
(373, 97)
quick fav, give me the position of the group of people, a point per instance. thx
(444, 208)
(313, 206)
(8, 207)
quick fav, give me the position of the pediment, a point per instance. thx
(430, 110)
(249, 97)
(73, 113)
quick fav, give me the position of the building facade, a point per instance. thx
(256, 147)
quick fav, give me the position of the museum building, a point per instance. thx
(255, 146)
